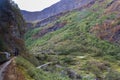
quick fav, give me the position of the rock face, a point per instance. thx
(62, 6)
(11, 26)
(73, 75)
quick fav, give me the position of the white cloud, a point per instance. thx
(35, 5)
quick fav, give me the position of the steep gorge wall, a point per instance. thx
(11, 26)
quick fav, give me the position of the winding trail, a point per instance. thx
(10, 71)
(3, 69)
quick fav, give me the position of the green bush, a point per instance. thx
(98, 68)
(112, 75)
(68, 60)
(31, 58)
(118, 56)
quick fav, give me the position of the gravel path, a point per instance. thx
(3, 68)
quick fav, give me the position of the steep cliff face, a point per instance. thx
(62, 6)
(11, 26)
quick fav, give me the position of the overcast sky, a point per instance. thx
(34, 5)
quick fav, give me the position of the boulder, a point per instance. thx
(71, 74)
(4, 56)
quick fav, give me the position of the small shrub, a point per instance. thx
(31, 58)
(68, 60)
(96, 67)
(118, 56)
(112, 75)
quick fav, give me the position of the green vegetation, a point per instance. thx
(76, 47)
(37, 74)
(112, 75)
(75, 38)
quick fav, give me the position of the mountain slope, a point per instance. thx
(62, 6)
(73, 25)
(86, 41)
(12, 28)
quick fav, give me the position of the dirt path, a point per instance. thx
(3, 69)
(12, 72)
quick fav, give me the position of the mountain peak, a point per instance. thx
(62, 6)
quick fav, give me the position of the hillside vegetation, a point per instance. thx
(85, 40)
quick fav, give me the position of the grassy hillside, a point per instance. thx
(32, 73)
(79, 43)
